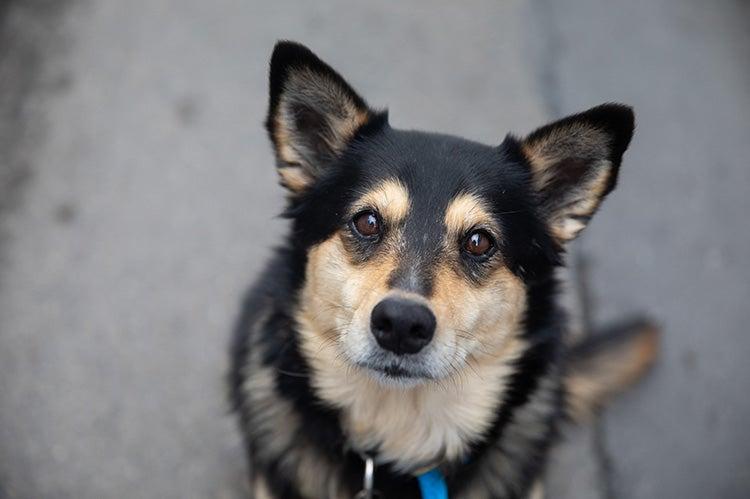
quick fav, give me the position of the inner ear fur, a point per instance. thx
(574, 164)
(313, 114)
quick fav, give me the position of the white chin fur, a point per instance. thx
(402, 382)
(437, 362)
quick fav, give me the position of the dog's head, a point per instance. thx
(420, 249)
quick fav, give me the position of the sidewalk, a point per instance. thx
(148, 201)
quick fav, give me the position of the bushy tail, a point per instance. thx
(607, 363)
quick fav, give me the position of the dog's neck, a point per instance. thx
(311, 434)
(414, 427)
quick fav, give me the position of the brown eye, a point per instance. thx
(479, 243)
(367, 224)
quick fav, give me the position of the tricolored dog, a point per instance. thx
(406, 340)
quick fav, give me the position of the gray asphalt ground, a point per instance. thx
(138, 199)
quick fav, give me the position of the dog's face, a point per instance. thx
(423, 267)
(421, 249)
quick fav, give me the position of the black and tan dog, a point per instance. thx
(410, 319)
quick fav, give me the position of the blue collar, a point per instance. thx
(432, 484)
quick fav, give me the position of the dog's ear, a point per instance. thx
(574, 164)
(313, 114)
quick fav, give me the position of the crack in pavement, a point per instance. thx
(605, 469)
(546, 61)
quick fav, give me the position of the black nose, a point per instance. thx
(402, 326)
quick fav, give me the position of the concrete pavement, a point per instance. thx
(139, 200)
(673, 238)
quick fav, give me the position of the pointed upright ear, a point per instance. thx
(313, 114)
(574, 164)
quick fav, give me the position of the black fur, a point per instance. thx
(434, 168)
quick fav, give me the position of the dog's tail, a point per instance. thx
(607, 363)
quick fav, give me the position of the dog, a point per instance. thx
(406, 340)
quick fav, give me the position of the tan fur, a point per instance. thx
(466, 211)
(537, 492)
(497, 475)
(283, 140)
(595, 379)
(294, 178)
(390, 199)
(574, 140)
(579, 141)
(587, 198)
(316, 475)
(476, 340)
(344, 118)
(348, 118)
(415, 426)
(273, 425)
(260, 489)
(269, 412)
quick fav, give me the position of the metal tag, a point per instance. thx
(368, 481)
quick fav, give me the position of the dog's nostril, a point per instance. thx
(420, 332)
(402, 326)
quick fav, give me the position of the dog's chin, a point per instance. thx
(402, 371)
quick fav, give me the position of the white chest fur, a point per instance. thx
(419, 425)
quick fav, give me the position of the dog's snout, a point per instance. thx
(402, 326)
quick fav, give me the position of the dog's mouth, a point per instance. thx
(395, 372)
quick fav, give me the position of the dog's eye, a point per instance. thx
(479, 243)
(366, 223)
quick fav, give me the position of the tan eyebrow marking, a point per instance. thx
(466, 211)
(390, 199)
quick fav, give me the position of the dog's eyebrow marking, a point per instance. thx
(390, 198)
(466, 211)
